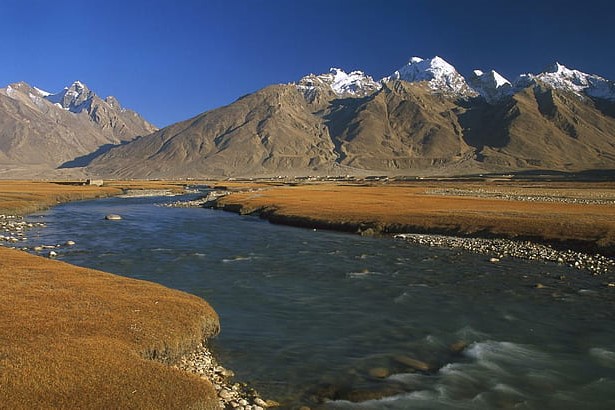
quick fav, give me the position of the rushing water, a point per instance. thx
(309, 316)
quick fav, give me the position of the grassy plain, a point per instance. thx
(544, 212)
(79, 338)
(22, 197)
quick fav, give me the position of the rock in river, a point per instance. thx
(413, 363)
(379, 372)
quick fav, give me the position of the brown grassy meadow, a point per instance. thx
(413, 207)
(79, 338)
(22, 197)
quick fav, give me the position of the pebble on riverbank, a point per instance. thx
(207, 201)
(231, 395)
(511, 196)
(14, 229)
(595, 264)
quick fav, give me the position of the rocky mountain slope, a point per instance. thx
(424, 119)
(40, 131)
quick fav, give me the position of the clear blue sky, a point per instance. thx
(170, 60)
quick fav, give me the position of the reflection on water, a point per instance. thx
(324, 319)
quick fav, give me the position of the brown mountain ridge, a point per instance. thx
(38, 135)
(401, 129)
(425, 119)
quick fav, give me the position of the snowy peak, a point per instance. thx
(491, 85)
(25, 88)
(25, 93)
(439, 74)
(419, 69)
(442, 78)
(353, 84)
(75, 98)
(560, 77)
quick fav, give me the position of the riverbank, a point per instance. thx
(24, 197)
(81, 338)
(367, 209)
(577, 216)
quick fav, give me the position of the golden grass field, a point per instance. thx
(78, 338)
(22, 197)
(414, 207)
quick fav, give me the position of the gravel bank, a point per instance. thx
(501, 248)
(142, 193)
(603, 199)
(231, 395)
(13, 229)
(206, 201)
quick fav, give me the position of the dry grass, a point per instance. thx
(80, 338)
(76, 338)
(22, 197)
(410, 207)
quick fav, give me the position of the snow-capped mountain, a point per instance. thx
(443, 78)
(26, 93)
(491, 85)
(47, 131)
(426, 119)
(75, 98)
(354, 84)
(561, 77)
(440, 75)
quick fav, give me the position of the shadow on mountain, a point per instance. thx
(605, 106)
(341, 113)
(486, 125)
(85, 160)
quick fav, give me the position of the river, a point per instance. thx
(321, 318)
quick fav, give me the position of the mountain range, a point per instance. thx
(41, 132)
(424, 119)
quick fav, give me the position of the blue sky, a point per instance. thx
(171, 60)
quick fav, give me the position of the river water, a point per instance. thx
(323, 319)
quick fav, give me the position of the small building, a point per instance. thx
(95, 182)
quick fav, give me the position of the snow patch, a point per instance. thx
(75, 98)
(439, 74)
(560, 77)
(40, 92)
(443, 78)
(491, 85)
(353, 84)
